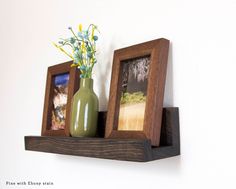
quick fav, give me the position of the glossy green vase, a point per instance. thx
(84, 112)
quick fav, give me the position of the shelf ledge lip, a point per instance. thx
(118, 149)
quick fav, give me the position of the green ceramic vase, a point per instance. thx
(84, 112)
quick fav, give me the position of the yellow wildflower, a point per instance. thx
(92, 33)
(73, 65)
(83, 47)
(80, 27)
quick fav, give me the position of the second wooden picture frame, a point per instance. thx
(137, 91)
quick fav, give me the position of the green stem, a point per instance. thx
(67, 43)
(74, 34)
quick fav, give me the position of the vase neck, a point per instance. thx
(86, 83)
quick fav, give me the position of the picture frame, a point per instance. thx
(138, 97)
(62, 82)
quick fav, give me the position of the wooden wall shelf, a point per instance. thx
(117, 149)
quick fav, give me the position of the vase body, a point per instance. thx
(84, 112)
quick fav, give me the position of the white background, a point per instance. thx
(200, 81)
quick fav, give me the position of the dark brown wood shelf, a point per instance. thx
(117, 149)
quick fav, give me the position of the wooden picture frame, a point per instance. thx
(56, 74)
(156, 53)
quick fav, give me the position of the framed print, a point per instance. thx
(62, 83)
(137, 91)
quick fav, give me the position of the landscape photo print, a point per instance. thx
(60, 95)
(133, 93)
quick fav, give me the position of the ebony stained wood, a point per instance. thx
(138, 150)
(73, 86)
(158, 51)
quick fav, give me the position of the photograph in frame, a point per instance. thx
(60, 96)
(133, 93)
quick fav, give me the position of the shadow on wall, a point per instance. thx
(169, 166)
(103, 79)
(169, 87)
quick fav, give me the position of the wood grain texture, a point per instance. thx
(73, 86)
(130, 150)
(158, 51)
(138, 150)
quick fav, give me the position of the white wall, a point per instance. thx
(201, 82)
